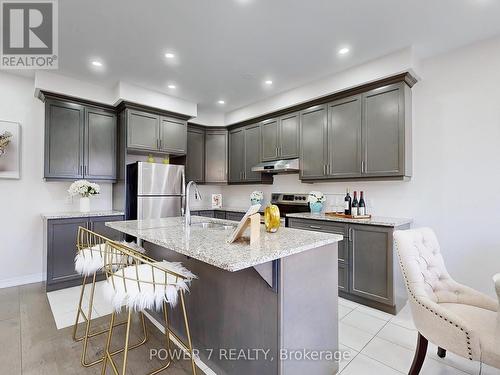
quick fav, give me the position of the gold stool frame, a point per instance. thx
(87, 239)
(116, 252)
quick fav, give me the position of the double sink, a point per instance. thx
(214, 226)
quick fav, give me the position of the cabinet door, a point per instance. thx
(173, 135)
(236, 155)
(371, 263)
(98, 225)
(61, 250)
(143, 130)
(383, 131)
(216, 156)
(289, 136)
(313, 132)
(269, 132)
(100, 144)
(64, 139)
(195, 155)
(343, 277)
(252, 152)
(344, 137)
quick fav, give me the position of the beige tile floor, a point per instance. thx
(378, 343)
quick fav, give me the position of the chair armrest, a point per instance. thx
(444, 328)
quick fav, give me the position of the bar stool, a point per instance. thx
(144, 284)
(89, 261)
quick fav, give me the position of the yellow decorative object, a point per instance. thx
(272, 218)
(151, 159)
(166, 160)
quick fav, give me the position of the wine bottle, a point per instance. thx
(355, 205)
(347, 203)
(362, 205)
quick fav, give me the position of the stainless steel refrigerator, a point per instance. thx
(154, 190)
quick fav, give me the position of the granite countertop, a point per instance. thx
(76, 214)
(210, 246)
(225, 208)
(374, 220)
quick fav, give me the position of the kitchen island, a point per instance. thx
(267, 308)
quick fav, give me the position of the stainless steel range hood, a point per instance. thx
(278, 166)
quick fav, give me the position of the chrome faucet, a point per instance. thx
(197, 196)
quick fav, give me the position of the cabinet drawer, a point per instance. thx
(343, 277)
(324, 226)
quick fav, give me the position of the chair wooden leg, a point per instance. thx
(420, 353)
(188, 334)
(441, 352)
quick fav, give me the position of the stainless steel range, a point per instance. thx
(290, 203)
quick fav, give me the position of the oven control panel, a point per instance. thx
(284, 198)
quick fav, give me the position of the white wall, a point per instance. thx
(455, 188)
(22, 201)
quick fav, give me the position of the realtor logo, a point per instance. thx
(29, 34)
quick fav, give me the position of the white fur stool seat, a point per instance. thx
(144, 287)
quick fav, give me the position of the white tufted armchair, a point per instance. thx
(452, 316)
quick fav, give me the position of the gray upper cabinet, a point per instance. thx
(216, 155)
(313, 142)
(289, 136)
(344, 138)
(100, 144)
(386, 131)
(143, 130)
(173, 135)
(237, 155)
(195, 155)
(151, 132)
(64, 138)
(269, 131)
(280, 138)
(80, 141)
(252, 152)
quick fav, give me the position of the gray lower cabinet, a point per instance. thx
(151, 132)
(220, 214)
(195, 155)
(209, 213)
(313, 142)
(61, 235)
(280, 138)
(234, 216)
(216, 156)
(367, 267)
(80, 141)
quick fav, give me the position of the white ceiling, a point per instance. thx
(225, 49)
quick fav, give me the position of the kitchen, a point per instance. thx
(398, 125)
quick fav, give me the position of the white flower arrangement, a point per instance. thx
(316, 197)
(84, 189)
(257, 195)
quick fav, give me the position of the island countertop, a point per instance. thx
(210, 245)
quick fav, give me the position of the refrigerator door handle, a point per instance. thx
(183, 192)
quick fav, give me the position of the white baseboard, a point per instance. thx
(22, 280)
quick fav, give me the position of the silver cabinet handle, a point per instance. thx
(324, 169)
(314, 227)
(349, 235)
(362, 166)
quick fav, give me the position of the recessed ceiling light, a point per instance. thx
(169, 55)
(96, 63)
(268, 82)
(221, 102)
(343, 51)
(172, 86)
